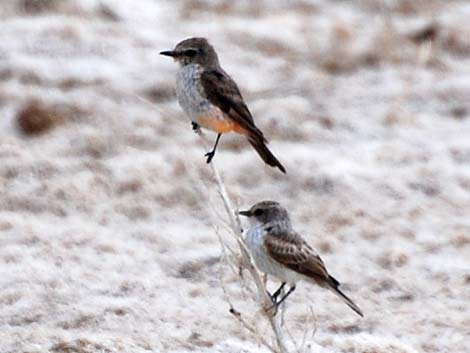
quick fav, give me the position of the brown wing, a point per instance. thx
(223, 92)
(292, 251)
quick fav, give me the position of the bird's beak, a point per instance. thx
(245, 213)
(171, 53)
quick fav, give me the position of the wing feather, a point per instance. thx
(223, 92)
(290, 250)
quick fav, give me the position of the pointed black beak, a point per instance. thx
(245, 213)
(171, 53)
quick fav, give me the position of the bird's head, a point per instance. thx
(194, 50)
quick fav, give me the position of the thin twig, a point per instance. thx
(235, 229)
(234, 311)
(263, 298)
(312, 320)
(250, 328)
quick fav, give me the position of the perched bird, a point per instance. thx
(212, 99)
(281, 252)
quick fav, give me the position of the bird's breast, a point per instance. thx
(190, 91)
(255, 242)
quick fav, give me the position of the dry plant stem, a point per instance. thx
(263, 299)
(233, 311)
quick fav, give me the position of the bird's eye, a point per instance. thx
(258, 212)
(190, 52)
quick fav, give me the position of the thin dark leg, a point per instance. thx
(211, 154)
(277, 292)
(291, 289)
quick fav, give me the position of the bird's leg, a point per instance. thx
(291, 289)
(211, 154)
(196, 127)
(273, 308)
(277, 292)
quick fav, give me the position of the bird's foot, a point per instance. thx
(272, 308)
(273, 297)
(276, 294)
(196, 127)
(209, 156)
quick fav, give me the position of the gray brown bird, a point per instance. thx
(281, 252)
(212, 99)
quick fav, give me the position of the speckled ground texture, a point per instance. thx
(108, 211)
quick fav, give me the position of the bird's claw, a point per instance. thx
(196, 127)
(274, 297)
(209, 156)
(271, 309)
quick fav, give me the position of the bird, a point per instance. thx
(212, 99)
(278, 250)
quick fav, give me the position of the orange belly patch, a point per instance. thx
(219, 125)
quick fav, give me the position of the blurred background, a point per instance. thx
(107, 207)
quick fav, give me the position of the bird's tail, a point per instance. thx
(259, 144)
(334, 287)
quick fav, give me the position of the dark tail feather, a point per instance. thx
(334, 286)
(260, 146)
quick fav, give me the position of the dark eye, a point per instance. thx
(258, 212)
(190, 52)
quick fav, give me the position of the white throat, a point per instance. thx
(255, 223)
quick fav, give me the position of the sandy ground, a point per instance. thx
(107, 208)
